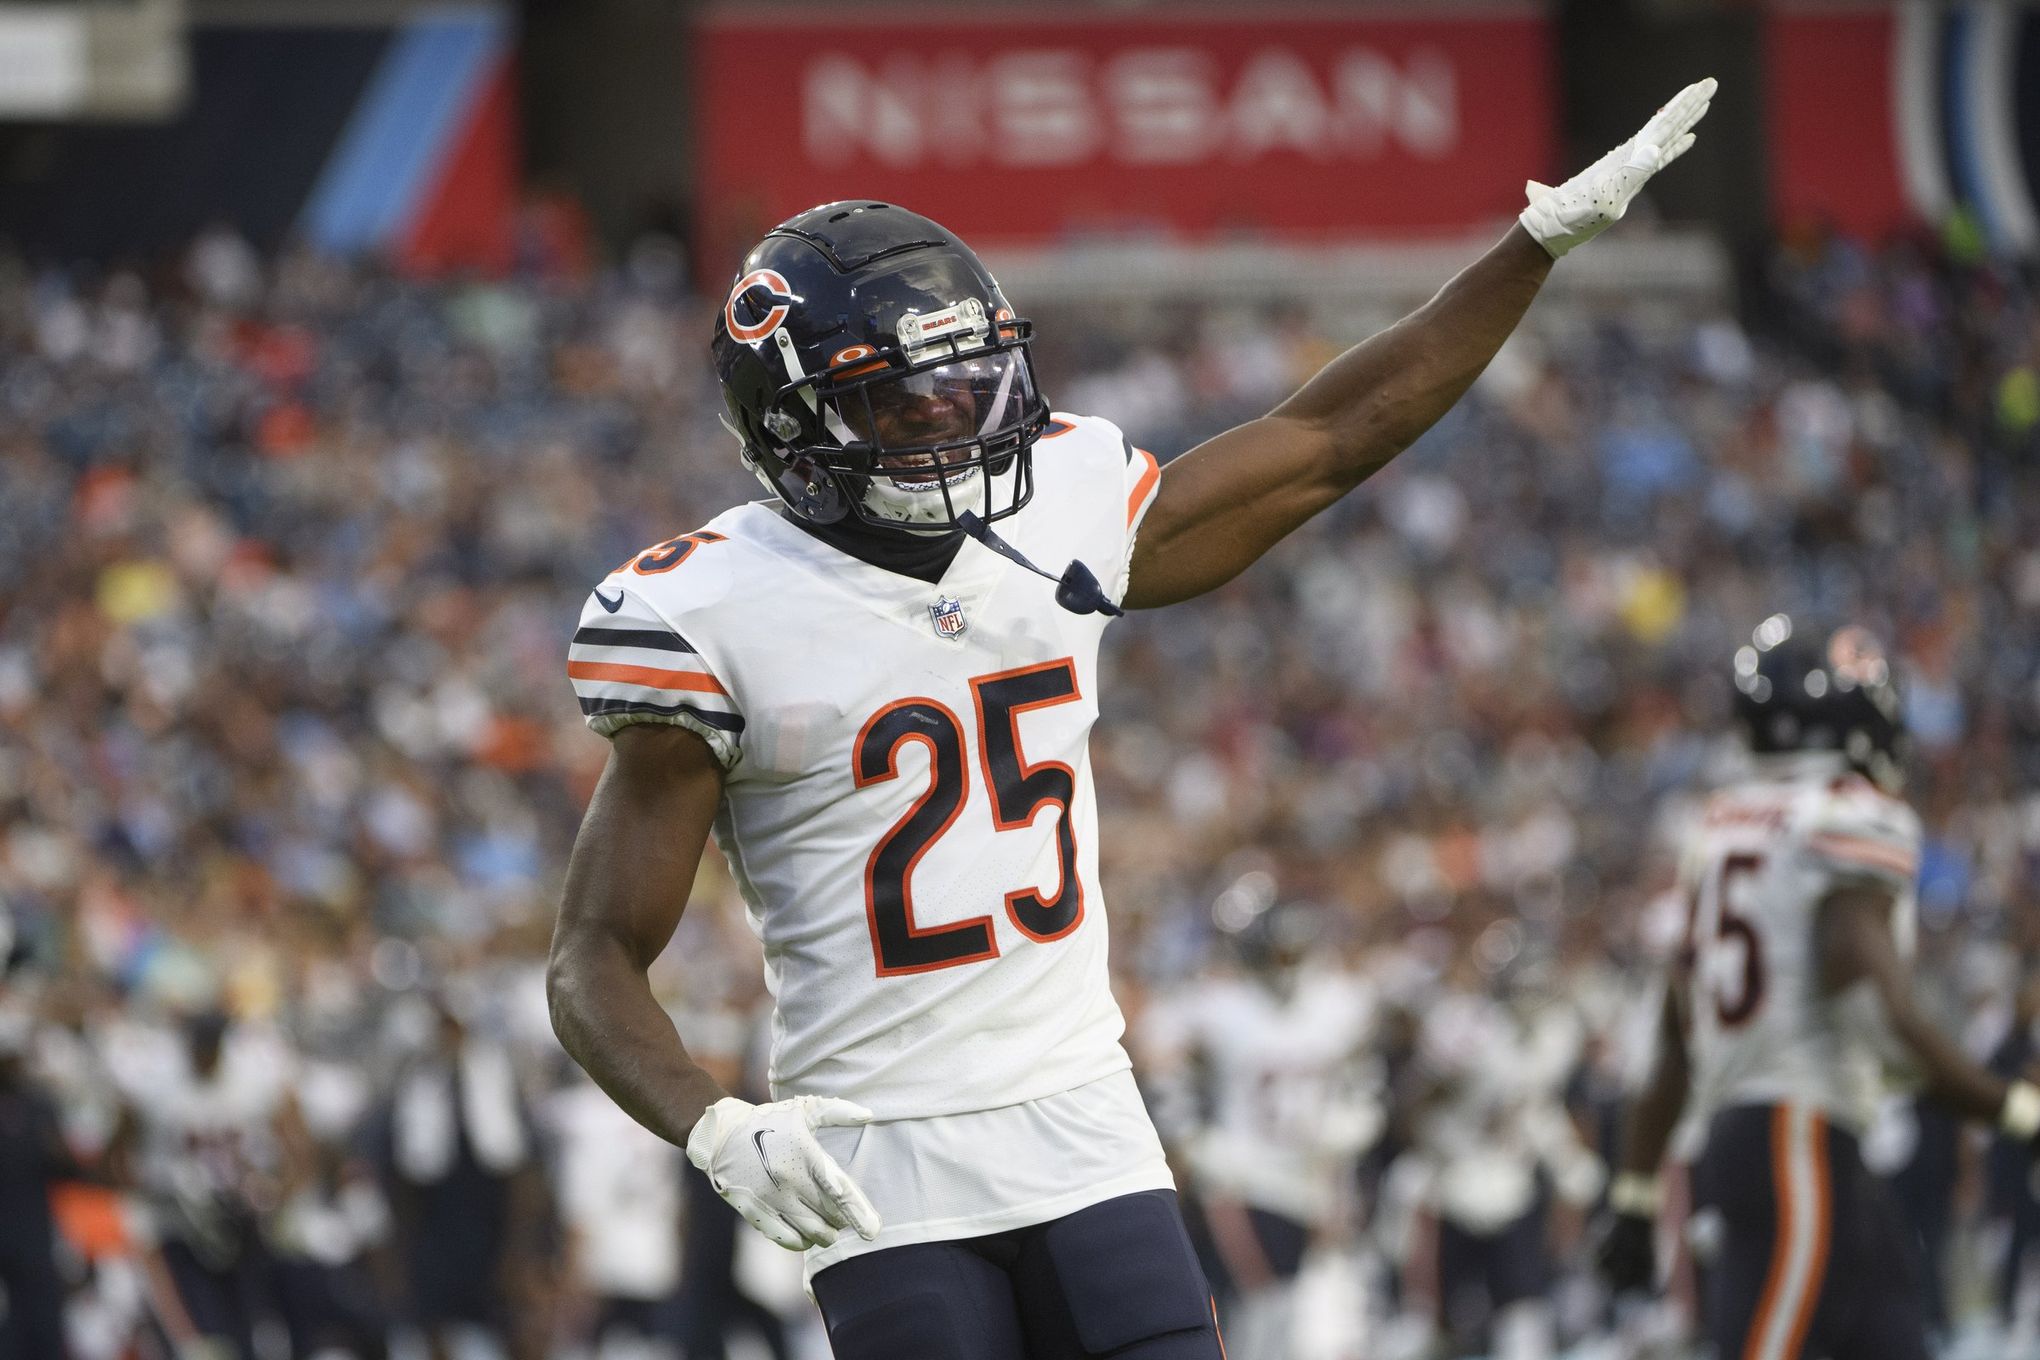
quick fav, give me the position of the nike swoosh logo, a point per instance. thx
(611, 605)
(758, 1142)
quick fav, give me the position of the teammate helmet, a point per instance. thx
(1803, 690)
(862, 348)
(1277, 941)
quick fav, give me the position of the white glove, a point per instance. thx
(1593, 200)
(765, 1161)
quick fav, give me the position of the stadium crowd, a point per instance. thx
(289, 553)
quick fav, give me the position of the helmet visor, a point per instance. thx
(949, 413)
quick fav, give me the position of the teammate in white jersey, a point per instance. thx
(1271, 1099)
(1791, 1001)
(865, 691)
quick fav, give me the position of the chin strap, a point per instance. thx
(1076, 590)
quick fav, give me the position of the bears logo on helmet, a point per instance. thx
(770, 317)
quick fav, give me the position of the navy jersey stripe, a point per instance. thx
(653, 638)
(724, 722)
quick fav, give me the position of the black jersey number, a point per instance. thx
(1019, 791)
(1714, 902)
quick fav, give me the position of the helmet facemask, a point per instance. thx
(909, 437)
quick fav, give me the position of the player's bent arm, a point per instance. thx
(633, 864)
(1627, 1251)
(1856, 944)
(1654, 1114)
(1233, 497)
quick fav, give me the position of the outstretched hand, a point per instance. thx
(1590, 202)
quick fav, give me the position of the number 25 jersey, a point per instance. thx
(907, 807)
(1766, 853)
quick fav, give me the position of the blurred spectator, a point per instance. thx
(459, 1139)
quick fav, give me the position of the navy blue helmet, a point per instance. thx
(876, 375)
(1806, 689)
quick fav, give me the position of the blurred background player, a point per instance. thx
(1792, 999)
(1496, 1166)
(464, 1187)
(219, 1142)
(1267, 1095)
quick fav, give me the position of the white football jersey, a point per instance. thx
(1765, 853)
(1493, 1120)
(908, 807)
(1292, 1101)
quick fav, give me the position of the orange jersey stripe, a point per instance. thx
(1150, 474)
(648, 676)
(1873, 853)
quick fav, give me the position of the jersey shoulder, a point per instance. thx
(693, 572)
(1092, 487)
(1085, 447)
(644, 649)
(1858, 830)
(1070, 432)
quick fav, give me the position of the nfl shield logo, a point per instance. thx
(948, 616)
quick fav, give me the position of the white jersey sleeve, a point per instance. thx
(629, 664)
(1115, 525)
(1859, 832)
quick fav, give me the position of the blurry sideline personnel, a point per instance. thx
(1793, 996)
(2009, 1188)
(866, 695)
(619, 1194)
(460, 1152)
(1261, 1084)
(32, 1157)
(220, 1141)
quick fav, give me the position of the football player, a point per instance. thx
(1498, 1149)
(1266, 1069)
(861, 688)
(1792, 998)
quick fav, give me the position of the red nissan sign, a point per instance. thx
(1836, 92)
(1053, 125)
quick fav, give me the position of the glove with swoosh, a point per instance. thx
(765, 1161)
(1590, 202)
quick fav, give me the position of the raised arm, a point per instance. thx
(1233, 497)
(633, 865)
